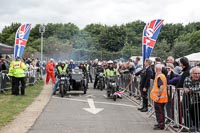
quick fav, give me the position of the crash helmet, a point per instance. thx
(71, 61)
(99, 63)
(110, 62)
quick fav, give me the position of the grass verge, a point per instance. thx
(10, 105)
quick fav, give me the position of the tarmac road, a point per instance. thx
(92, 113)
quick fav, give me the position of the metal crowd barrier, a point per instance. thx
(182, 110)
(32, 76)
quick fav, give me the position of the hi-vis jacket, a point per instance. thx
(17, 69)
(111, 72)
(62, 70)
(87, 67)
(10, 71)
(156, 92)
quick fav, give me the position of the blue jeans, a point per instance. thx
(56, 85)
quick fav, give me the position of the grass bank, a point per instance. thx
(10, 105)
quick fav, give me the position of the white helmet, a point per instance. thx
(63, 62)
(110, 62)
(99, 63)
(70, 60)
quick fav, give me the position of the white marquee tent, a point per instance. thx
(194, 57)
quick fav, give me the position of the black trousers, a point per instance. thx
(144, 95)
(95, 81)
(17, 82)
(12, 85)
(160, 114)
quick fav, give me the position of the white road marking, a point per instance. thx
(92, 108)
(90, 96)
(108, 103)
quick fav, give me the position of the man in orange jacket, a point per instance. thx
(50, 71)
(159, 96)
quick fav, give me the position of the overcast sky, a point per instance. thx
(109, 12)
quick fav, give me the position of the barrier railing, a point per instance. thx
(182, 110)
(32, 76)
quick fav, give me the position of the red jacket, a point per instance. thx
(50, 67)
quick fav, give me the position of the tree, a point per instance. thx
(195, 41)
(8, 34)
(113, 38)
(161, 50)
(170, 33)
(191, 27)
(134, 32)
(82, 40)
(181, 49)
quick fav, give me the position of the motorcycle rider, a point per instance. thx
(83, 68)
(56, 68)
(62, 69)
(88, 66)
(99, 69)
(71, 65)
(110, 71)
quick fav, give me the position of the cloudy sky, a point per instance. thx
(109, 12)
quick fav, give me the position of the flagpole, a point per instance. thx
(41, 30)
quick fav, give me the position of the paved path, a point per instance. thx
(68, 115)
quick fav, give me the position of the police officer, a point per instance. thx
(18, 69)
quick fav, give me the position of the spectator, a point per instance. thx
(173, 77)
(184, 63)
(146, 75)
(159, 96)
(192, 89)
(171, 60)
(159, 61)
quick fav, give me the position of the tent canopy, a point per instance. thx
(5, 49)
(194, 57)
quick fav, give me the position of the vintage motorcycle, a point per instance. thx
(100, 83)
(112, 87)
(64, 85)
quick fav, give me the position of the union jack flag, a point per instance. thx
(21, 39)
(120, 92)
(150, 35)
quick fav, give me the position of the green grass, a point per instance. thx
(11, 105)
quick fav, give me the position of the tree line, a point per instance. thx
(100, 41)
